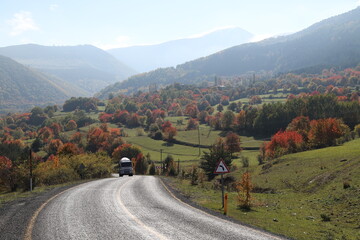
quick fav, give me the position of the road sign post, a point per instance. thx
(221, 169)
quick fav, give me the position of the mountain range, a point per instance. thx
(333, 42)
(84, 67)
(22, 88)
(172, 53)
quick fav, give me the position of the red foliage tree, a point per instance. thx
(69, 149)
(56, 128)
(191, 110)
(121, 116)
(192, 124)
(283, 143)
(45, 134)
(105, 117)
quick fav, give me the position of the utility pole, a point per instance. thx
(30, 167)
(162, 164)
(199, 139)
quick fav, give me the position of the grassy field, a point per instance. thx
(306, 188)
(6, 196)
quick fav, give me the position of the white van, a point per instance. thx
(125, 167)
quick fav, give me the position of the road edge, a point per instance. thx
(185, 200)
(18, 214)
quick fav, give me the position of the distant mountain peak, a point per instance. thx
(174, 52)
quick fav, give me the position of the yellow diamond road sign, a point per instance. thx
(221, 168)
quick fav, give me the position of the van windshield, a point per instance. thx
(126, 164)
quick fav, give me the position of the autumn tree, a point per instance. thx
(283, 143)
(141, 165)
(323, 132)
(6, 172)
(69, 149)
(126, 150)
(301, 125)
(54, 146)
(71, 125)
(232, 142)
(244, 188)
(169, 131)
(192, 124)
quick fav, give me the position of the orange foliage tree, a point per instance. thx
(69, 149)
(324, 132)
(244, 188)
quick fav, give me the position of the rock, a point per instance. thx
(275, 220)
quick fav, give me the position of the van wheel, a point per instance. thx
(130, 175)
(120, 175)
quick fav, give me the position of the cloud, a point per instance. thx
(53, 7)
(120, 42)
(21, 22)
(358, 3)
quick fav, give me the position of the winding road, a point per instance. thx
(138, 207)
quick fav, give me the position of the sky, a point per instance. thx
(121, 23)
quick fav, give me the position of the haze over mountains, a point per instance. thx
(333, 42)
(172, 53)
(85, 67)
(21, 87)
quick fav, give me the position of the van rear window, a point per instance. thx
(126, 164)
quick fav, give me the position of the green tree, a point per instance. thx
(210, 159)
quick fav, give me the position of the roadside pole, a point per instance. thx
(225, 204)
(221, 169)
(30, 167)
(162, 164)
(222, 189)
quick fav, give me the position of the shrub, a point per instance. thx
(152, 170)
(357, 129)
(346, 184)
(325, 218)
(194, 176)
(245, 161)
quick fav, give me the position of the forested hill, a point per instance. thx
(333, 42)
(171, 53)
(21, 88)
(85, 66)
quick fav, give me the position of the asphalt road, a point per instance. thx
(137, 207)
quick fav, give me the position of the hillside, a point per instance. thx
(329, 43)
(313, 193)
(172, 53)
(86, 66)
(21, 87)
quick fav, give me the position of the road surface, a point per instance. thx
(138, 207)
